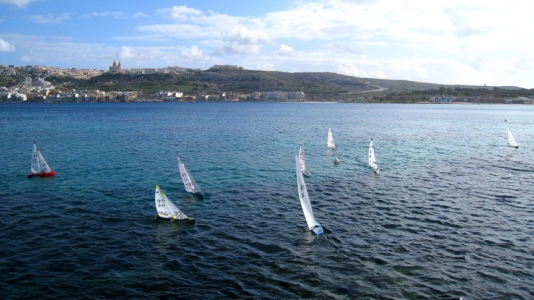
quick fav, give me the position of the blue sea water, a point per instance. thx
(450, 216)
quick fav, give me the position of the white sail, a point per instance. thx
(511, 139)
(372, 159)
(330, 140)
(165, 208)
(36, 165)
(302, 161)
(190, 185)
(44, 165)
(38, 162)
(303, 196)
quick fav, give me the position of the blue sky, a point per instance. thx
(472, 42)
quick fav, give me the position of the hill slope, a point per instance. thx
(216, 80)
(316, 85)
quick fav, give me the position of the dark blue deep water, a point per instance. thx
(450, 216)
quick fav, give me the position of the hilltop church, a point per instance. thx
(116, 68)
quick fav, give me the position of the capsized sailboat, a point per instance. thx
(511, 140)
(39, 167)
(167, 210)
(372, 159)
(302, 161)
(330, 140)
(313, 225)
(190, 185)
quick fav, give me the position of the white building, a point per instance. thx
(442, 99)
(41, 83)
(299, 96)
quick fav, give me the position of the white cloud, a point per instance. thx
(212, 21)
(241, 40)
(180, 13)
(190, 23)
(192, 53)
(55, 51)
(243, 36)
(58, 51)
(352, 48)
(32, 59)
(182, 31)
(49, 18)
(465, 36)
(352, 70)
(285, 51)
(39, 19)
(19, 3)
(139, 14)
(264, 66)
(114, 14)
(5, 46)
(236, 48)
(444, 24)
(524, 64)
(146, 56)
(141, 38)
(450, 41)
(125, 53)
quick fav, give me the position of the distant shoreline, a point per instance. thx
(315, 102)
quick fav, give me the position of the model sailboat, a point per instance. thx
(372, 159)
(190, 185)
(167, 210)
(330, 140)
(39, 167)
(313, 225)
(302, 161)
(511, 140)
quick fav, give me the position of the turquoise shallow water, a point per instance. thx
(451, 214)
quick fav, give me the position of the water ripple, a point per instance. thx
(448, 217)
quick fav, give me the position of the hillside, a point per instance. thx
(216, 80)
(316, 85)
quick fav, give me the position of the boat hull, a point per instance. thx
(172, 220)
(42, 174)
(317, 229)
(375, 169)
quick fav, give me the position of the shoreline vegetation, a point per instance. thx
(231, 83)
(303, 102)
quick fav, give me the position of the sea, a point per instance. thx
(450, 216)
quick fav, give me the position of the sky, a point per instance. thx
(472, 42)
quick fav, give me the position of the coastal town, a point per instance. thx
(37, 89)
(33, 83)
